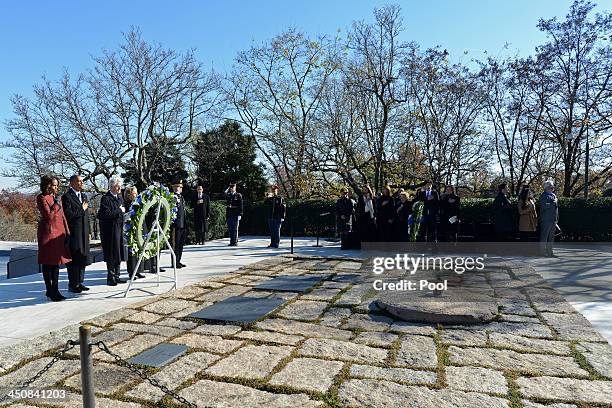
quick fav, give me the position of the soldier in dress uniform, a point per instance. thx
(201, 214)
(276, 210)
(178, 230)
(233, 213)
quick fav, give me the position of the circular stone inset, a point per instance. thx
(461, 307)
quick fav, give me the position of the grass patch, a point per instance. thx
(583, 362)
(514, 395)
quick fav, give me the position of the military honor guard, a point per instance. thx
(276, 209)
(233, 213)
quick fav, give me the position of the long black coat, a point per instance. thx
(181, 220)
(385, 212)
(111, 228)
(201, 212)
(430, 207)
(448, 209)
(366, 224)
(502, 214)
(345, 209)
(78, 223)
(403, 211)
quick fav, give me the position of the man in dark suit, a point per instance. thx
(233, 213)
(110, 214)
(431, 200)
(178, 230)
(76, 209)
(201, 214)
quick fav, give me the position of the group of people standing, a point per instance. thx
(388, 216)
(529, 218)
(64, 229)
(64, 232)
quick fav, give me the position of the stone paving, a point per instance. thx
(332, 347)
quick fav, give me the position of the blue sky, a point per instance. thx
(44, 37)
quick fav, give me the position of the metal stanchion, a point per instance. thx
(319, 229)
(89, 398)
(292, 233)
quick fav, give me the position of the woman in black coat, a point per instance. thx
(110, 214)
(502, 215)
(366, 215)
(385, 215)
(403, 210)
(450, 204)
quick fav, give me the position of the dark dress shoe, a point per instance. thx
(60, 296)
(75, 290)
(179, 266)
(83, 288)
(119, 280)
(111, 283)
(182, 265)
(140, 275)
(55, 297)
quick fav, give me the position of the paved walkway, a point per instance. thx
(583, 275)
(27, 313)
(331, 347)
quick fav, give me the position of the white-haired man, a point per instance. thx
(549, 216)
(110, 215)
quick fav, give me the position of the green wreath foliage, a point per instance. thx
(417, 215)
(139, 220)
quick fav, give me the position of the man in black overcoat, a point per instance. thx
(201, 214)
(76, 210)
(110, 214)
(178, 230)
(431, 207)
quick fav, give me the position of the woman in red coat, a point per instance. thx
(52, 233)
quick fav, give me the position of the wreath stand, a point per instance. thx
(157, 229)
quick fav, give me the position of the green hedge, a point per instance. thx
(216, 225)
(305, 215)
(579, 219)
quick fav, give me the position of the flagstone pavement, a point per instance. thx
(332, 347)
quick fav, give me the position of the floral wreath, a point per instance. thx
(135, 228)
(415, 219)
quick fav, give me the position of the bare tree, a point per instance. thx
(373, 76)
(275, 90)
(447, 101)
(101, 122)
(577, 69)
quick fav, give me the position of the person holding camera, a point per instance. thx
(276, 210)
